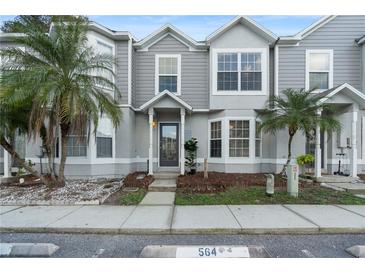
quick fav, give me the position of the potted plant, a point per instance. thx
(303, 161)
(191, 147)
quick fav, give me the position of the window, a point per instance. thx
(227, 71)
(106, 50)
(239, 138)
(216, 139)
(76, 146)
(168, 73)
(104, 138)
(319, 69)
(257, 140)
(240, 71)
(251, 71)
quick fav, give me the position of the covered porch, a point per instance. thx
(349, 102)
(166, 115)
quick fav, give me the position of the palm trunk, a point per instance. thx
(61, 172)
(10, 149)
(291, 135)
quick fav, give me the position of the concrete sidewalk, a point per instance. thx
(169, 219)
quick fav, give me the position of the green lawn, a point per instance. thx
(132, 198)
(256, 195)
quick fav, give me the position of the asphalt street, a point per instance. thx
(120, 246)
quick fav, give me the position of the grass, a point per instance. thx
(256, 195)
(132, 198)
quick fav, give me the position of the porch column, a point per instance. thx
(150, 149)
(354, 144)
(6, 164)
(318, 156)
(182, 141)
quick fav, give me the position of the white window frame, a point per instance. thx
(112, 46)
(264, 71)
(308, 52)
(242, 138)
(258, 138)
(157, 74)
(225, 159)
(209, 137)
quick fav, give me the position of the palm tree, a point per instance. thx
(64, 79)
(297, 111)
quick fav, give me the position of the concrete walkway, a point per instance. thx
(170, 219)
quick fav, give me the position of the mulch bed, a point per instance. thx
(219, 181)
(132, 181)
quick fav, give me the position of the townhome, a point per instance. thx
(175, 88)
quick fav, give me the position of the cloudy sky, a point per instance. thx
(198, 27)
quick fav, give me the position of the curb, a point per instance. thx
(27, 249)
(145, 231)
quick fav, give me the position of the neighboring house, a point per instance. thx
(174, 88)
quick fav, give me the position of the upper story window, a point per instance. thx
(319, 69)
(168, 73)
(106, 49)
(239, 72)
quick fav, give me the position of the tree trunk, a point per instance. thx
(291, 135)
(61, 172)
(9, 148)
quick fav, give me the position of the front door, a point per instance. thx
(169, 144)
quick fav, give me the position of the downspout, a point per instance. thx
(276, 68)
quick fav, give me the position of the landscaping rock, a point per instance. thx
(357, 251)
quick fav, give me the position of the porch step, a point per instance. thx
(166, 175)
(163, 185)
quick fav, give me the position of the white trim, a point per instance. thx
(338, 89)
(189, 46)
(167, 28)
(307, 70)
(264, 70)
(157, 74)
(210, 121)
(158, 142)
(239, 19)
(225, 159)
(316, 25)
(166, 93)
(129, 72)
(276, 70)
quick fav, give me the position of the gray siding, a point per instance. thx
(194, 73)
(339, 35)
(122, 70)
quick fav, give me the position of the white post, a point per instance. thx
(354, 144)
(6, 164)
(318, 155)
(150, 150)
(182, 142)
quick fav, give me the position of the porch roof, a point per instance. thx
(356, 95)
(166, 94)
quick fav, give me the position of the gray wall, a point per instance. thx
(339, 35)
(121, 72)
(240, 36)
(194, 72)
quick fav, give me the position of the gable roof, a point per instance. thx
(265, 33)
(355, 94)
(169, 94)
(307, 31)
(165, 30)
